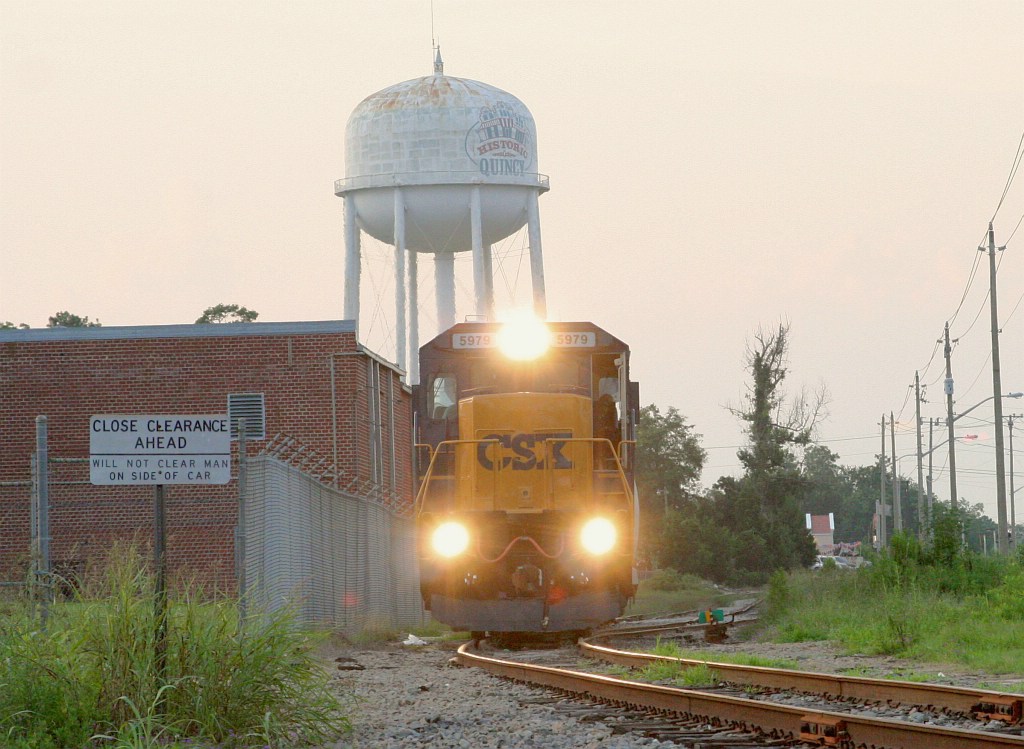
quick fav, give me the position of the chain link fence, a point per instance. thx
(342, 561)
(345, 561)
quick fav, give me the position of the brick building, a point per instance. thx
(309, 392)
(822, 528)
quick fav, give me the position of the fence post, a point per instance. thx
(33, 527)
(240, 531)
(43, 514)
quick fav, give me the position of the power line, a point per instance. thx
(1013, 172)
(984, 302)
(1015, 306)
(1014, 229)
(970, 281)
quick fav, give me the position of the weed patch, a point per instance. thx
(95, 675)
(968, 609)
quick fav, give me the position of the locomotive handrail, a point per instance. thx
(549, 476)
(428, 446)
(622, 444)
(430, 454)
(424, 487)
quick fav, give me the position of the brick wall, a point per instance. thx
(316, 384)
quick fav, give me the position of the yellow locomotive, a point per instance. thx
(525, 510)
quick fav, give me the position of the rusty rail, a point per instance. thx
(774, 719)
(982, 703)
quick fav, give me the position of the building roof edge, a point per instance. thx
(208, 330)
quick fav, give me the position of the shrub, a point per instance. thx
(1007, 598)
(100, 671)
(671, 580)
(779, 593)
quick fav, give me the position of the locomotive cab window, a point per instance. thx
(607, 406)
(443, 401)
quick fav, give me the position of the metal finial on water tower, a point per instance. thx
(438, 62)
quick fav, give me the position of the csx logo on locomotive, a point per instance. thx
(528, 451)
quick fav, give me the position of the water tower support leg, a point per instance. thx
(444, 280)
(479, 266)
(351, 261)
(400, 280)
(414, 320)
(489, 281)
(540, 304)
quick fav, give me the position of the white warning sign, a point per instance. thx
(159, 449)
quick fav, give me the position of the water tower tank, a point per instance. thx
(440, 165)
(437, 137)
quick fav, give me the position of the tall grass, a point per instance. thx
(93, 677)
(966, 609)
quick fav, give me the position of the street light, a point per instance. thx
(1000, 479)
(926, 516)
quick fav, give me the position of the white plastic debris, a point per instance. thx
(413, 640)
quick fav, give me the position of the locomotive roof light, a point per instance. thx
(598, 535)
(450, 539)
(524, 338)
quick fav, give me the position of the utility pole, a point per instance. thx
(897, 507)
(920, 459)
(931, 451)
(948, 387)
(1013, 514)
(997, 390)
(881, 497)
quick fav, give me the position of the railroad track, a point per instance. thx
(833, 722)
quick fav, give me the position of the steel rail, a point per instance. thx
(649, 629)
(981, 702)
(771, 718)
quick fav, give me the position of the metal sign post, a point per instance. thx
(156, 450)
(160, 587)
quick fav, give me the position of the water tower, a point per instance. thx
(440, 165)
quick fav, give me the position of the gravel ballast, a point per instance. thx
(413, 697)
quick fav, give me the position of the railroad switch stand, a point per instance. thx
(716, 628)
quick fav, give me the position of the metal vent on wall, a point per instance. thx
(251, 407)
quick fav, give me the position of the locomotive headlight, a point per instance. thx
(524, 338)
(450, 539)
(598, 536)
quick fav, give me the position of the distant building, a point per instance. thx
(822, 528)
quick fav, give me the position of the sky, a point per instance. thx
(716, 169)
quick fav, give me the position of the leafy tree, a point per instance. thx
(670, 456)
(827, 483)
(69, 320)
(850, 493)
(749, 526)
(7, 325)
(855, 517)
(979, 528)
(227, 313)
(947, 532)
(669, 464)
(694, 540)
(770, 493)
(763, 508)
